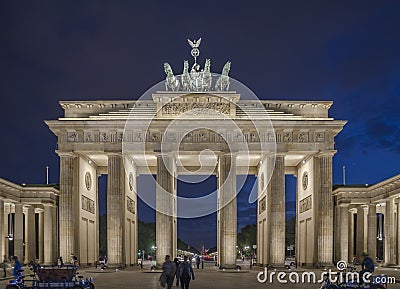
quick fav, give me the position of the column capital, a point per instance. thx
(164, 154)
(47, 205)
(65, 154)
(228, 154)
(344, 205)
(280, 154)
(118, 154)
(328, 153)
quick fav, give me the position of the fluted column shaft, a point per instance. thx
(48, 235)
(372, 227)
(276, 206)
(398, 232)
(18, 232)
(165, 233)
(40, 238)
(351, 236)
(30, 235)
(66, 212)
(344, 233)
(360, 232)
(389, 233)
(115, 209)
(3, 240)
(227, 208)
(325, 210)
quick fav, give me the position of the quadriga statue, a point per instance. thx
(171, 82)
(223, 82)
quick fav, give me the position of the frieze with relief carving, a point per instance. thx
(72, 136)
(305, 204)
(88, 205)
(130, 205)
(263, 205)
(195, 108)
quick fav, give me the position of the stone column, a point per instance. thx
(344, 233)
(48, 235)
(389, 233)
(398, 232)
(115, 209)
(337, 232)
(227, 208)
(351, 237)
(41, 238)
(66, 211)
(3, 240)
(55, 232)
(360, 232)
(165, 233)
(276, 206)
(5, 229)
(18, 232)
(30, 235)
(324, 209)
(372, 227)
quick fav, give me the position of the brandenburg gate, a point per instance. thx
(197, 123)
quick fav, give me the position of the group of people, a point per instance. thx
(17, 266)
(73, 259)
(183, 272)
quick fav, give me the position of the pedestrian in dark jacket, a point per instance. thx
(169, 271)
(17, 267)
(185, 273)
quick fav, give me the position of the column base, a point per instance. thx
(277, 265)
(228, 266)
(324, 265)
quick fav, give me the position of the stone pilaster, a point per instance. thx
(227, 208)
(55, 232)
(276, 207)
(360, 232)
(41, 238)
(372, 227)
(115, 209)
(389, 233)
(66, 211)
(324, 210)
(48, 235)
(30, 235)
(5, 230)
(344, 233)
(3, 240)
(337, 232)
(166, 184)
(398, 232)
(351, 236)
(18, 232)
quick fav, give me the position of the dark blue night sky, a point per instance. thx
(345, 51)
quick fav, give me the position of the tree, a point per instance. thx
(247, 237)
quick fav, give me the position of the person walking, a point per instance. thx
(17, 267)
(198, 261)
(185, 273)
(74, 260)
(367, 265)
(60, 262)
(4, 266)
(169, 271)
